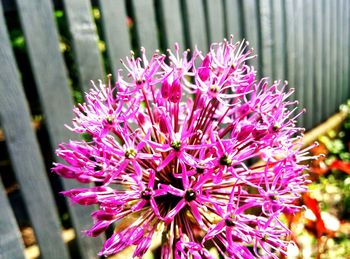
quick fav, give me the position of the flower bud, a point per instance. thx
(175, 91)
(157, 114)
(245, 132)
(203, 73)
(162, 125)
(206, 61)
(141, 118)
(165, 88)
(204, 69)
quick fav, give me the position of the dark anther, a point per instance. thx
(225, 160)
(98, 168)
(91, 158)
(190, 195)
(275, 128)
(199, 170)
(214, 89)
(229, 223)
(129, 153)
(274, 197)
(109, 120)
(265, 238)
(146, 194)
(176, 145)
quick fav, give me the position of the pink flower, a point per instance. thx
(171, 146)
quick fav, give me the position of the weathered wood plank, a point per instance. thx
(290, 44)
(308, 82)
(50, 76)
(25, 155)
(318, 59)
(326, 53)
(114, 22)
(147, 30)
(346, 49)
(279, 49)
(333, 58)
(338, 63)
(196, 24)
(233, 15)
(84, 36)
(341, 51)
(299, 47)
(10, 5)
(174, 30)
(331, 123)
(266, 37)
(216, 21)
(11, 243)
(251, 24)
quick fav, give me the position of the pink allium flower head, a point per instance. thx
(171, 146)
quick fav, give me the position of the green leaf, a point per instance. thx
(87, 136)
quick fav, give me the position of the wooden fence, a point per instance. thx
(303, 41)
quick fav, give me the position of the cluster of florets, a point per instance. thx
(172, 144)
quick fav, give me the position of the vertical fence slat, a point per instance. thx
(326, 53)
(299, 47)
(251, 23)
(173, 23)
(307, 67)
(346, 49)
(340, 51)
(25, 155)
(338, 62)
(279, 49)
(11, 244)
(84, 36)
(114, 22)
(147, 30)
(290, 43)
(196, 24)
(266, 37)
(234, 19)
(333, 57)
(47, 63)
(318, 59)
(216, 21)
(50, 76)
